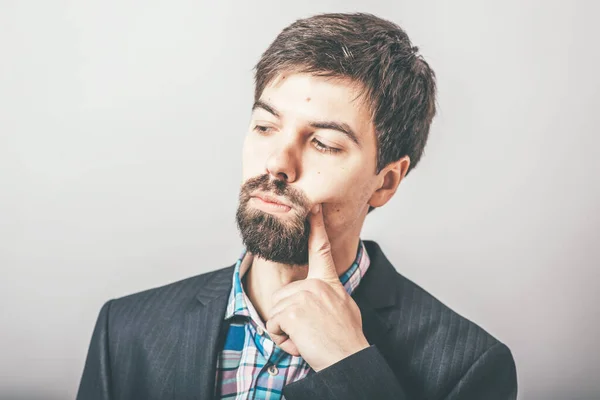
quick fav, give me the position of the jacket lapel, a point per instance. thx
(200, 338)
(377, 292)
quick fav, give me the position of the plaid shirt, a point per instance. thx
(250, 365)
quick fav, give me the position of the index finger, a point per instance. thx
(320, 260)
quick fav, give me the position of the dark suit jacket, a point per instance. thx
(163, 344)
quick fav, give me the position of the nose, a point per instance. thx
(282, 164)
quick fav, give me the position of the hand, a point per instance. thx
(315, 317)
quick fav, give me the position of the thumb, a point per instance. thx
(320, 260)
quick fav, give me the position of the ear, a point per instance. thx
(389, 180)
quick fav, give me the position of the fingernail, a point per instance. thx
(316, 209)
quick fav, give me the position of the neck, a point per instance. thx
(266, 277)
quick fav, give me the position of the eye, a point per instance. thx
(324, 148)
(261, 129)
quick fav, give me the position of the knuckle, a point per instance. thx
(275, 297)
(270, 325)
(278, 339)
(293, 313)
(318, 285)
(324, 248)
(304, 296)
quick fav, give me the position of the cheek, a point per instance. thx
(343, 197)
(253, 161)
(342, 186)
(342, 216)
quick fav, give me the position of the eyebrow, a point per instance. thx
(332, 125)
(265, 106)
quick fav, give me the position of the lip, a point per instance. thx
(267, 198)
(270, 204)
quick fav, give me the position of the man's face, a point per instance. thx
(311, 140)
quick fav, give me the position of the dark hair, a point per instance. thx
(399, 84)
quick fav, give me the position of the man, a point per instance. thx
(343, 106)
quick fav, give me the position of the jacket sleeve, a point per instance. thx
(363, 375)
(95, 383)
(366, 375)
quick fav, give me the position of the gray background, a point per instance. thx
(121, 125)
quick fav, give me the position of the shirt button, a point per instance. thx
(259, 330)
(273, 370)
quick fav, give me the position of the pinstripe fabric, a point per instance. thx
(431, 351)
(163, 343)
(250, 365)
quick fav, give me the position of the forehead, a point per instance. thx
(301, 95)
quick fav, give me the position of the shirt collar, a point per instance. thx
(239, 304)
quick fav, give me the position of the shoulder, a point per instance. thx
(428, 340)
(432, 321)
(445, 352)
(165, 302)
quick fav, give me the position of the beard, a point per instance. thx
(281, 240)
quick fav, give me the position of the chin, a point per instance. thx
(276, 238)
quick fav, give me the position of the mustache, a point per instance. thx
(277, 186)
